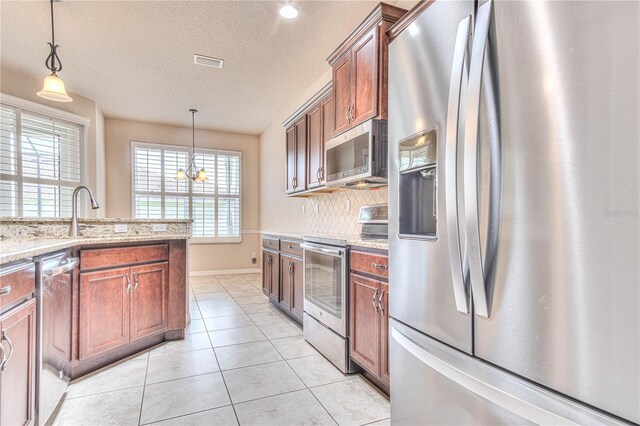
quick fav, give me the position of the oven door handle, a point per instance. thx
(333, 252)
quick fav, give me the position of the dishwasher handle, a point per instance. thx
(65, 266)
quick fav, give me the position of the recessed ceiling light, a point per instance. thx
(208, 61)
(288, 11)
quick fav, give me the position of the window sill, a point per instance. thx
(227, 240)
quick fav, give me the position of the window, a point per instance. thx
(40, 163)
(214, 205)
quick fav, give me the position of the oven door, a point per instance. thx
(325, 282)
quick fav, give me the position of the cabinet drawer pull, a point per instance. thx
(126, 290)
(347, 114)
(5, 336)
(136, 283)
(351, 113)
(380, 299)
(378, 266)
(373, 301)
(4, 291)
(290, 247)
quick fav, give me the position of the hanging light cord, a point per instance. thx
(50, 62)
(193, 139)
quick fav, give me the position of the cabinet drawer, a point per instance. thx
(271, 243)
(18, 282)
(369, 263)
(291, 247)
(116, 256)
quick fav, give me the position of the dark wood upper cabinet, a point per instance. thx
(342, 70)
(17, 379)
(365, 76)
(148, 299)
(360, 70)
(291, 157)
(300, 183)
(328, 111)
(315, 146)
(364, 329)
(104, 310)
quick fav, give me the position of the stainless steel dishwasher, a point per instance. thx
(54, 288)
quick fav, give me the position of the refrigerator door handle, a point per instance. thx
(474, 256)
(451, 162)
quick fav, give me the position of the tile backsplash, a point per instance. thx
(328, 213)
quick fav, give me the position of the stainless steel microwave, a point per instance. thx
(358, 157)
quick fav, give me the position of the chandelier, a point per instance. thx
(192, 172)
(53, 88)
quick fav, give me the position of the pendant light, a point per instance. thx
(54, 89)
(192, 172)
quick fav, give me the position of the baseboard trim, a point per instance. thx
(225, 272)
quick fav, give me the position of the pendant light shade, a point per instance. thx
(54, 89)
(192, 172)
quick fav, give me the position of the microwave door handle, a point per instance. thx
(474, 255)
(458, 77)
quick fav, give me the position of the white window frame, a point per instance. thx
(35, 108)
(190, 194)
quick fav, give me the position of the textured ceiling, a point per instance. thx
(135, 58)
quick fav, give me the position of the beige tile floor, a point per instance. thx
(242, 362)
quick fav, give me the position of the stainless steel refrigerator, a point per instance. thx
(514, 214)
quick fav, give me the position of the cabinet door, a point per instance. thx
(364, 103)
(290, 172)
(328, 110)
(104, 310)
(342, 94)
(315, 146)
(297, 288)
(149, 299)
(384, 332)
(300, 126)
(286, 282)
(273, 269)
(364, 339)
(17, 381)
(266, 272)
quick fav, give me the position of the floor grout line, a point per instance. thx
(144, 388)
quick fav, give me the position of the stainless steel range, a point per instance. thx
(326, 300)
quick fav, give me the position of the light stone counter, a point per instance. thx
(351, 240)
(24, 238)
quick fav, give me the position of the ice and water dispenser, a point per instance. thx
(418, 186)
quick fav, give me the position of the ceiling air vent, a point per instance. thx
(208, 61)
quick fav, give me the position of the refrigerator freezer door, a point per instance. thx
(565, 303)
(420, 74)
(446, 387)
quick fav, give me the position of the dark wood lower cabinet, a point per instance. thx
(297, 289)
(148, 299)
(271, 274)
(364, 338)
(283, 276)
(17, 380)
(384, 333)
(369, 316)
(104, 310)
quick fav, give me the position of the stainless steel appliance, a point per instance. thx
(357, 158)
(326, 299)
(514, 274)
(375, 222)
(53, 329)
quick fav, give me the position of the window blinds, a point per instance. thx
(40, 163)
(213, 205)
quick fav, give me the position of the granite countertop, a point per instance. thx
(351, 240)
(11, 250)
(105, 220)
